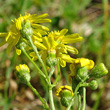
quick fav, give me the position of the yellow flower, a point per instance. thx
(22, 67)
(55, 43)
(65, 93)
(81, 62)
(85, 62)
(62, 88)
(14, 34)
(61, 37)
(23, 73)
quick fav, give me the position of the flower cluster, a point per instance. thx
(55, 44)
(23, 73)
(50, 47)
(79, 63)
(15, 32)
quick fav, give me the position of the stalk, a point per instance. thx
(38, 95)
(84, 98)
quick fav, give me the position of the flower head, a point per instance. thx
(62, 88)
(23, 73)
(65, 93)
(56, 43)
(82, 64)
(99, 71)
(15, 33)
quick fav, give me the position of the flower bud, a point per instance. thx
(66, 93)
(93, 84)
(99, 71)
(66, 97)
(82, 73)
(23, 73)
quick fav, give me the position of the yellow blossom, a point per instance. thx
(14, 34)
(56, 42)
(85, 62)
(22, 67)
(23, 73)
(61, 88)
(80, 62)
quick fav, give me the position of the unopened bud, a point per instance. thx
(99, 71)
(66, 93)
(66, 97)
(93, 84)
(82, 73)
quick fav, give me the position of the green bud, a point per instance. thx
(82, 73)
(66, 97)
(93, 84)
(99, 71)
(23, 73)
(26, 29)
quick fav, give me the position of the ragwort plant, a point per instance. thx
(51, 48)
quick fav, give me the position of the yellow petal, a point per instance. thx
(72, 67)
(67, 58)
(18, 51)
(40, 27)
(85, 62)
(52, 42)
(33, 55)
(34, 16)
(42, 32)
(65, 87)
(41, 20)
(63, 31)
(73, 38)
(62, 62)
(36, 38)
(3, 34)
(71, 49)
(39, 45)
(19, 23)
(9, 34)
(46, 42)
(36, 33)
(90, 65)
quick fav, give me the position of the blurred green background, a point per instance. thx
(89, 18)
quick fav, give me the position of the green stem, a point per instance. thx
(23, 50)
(38, 95)
(45, 71)
(84, 98)
(79, 102)
(58, 73)
(39, 57)
(84, 84)
(52, 71)
(75, 94)
(51, 99)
